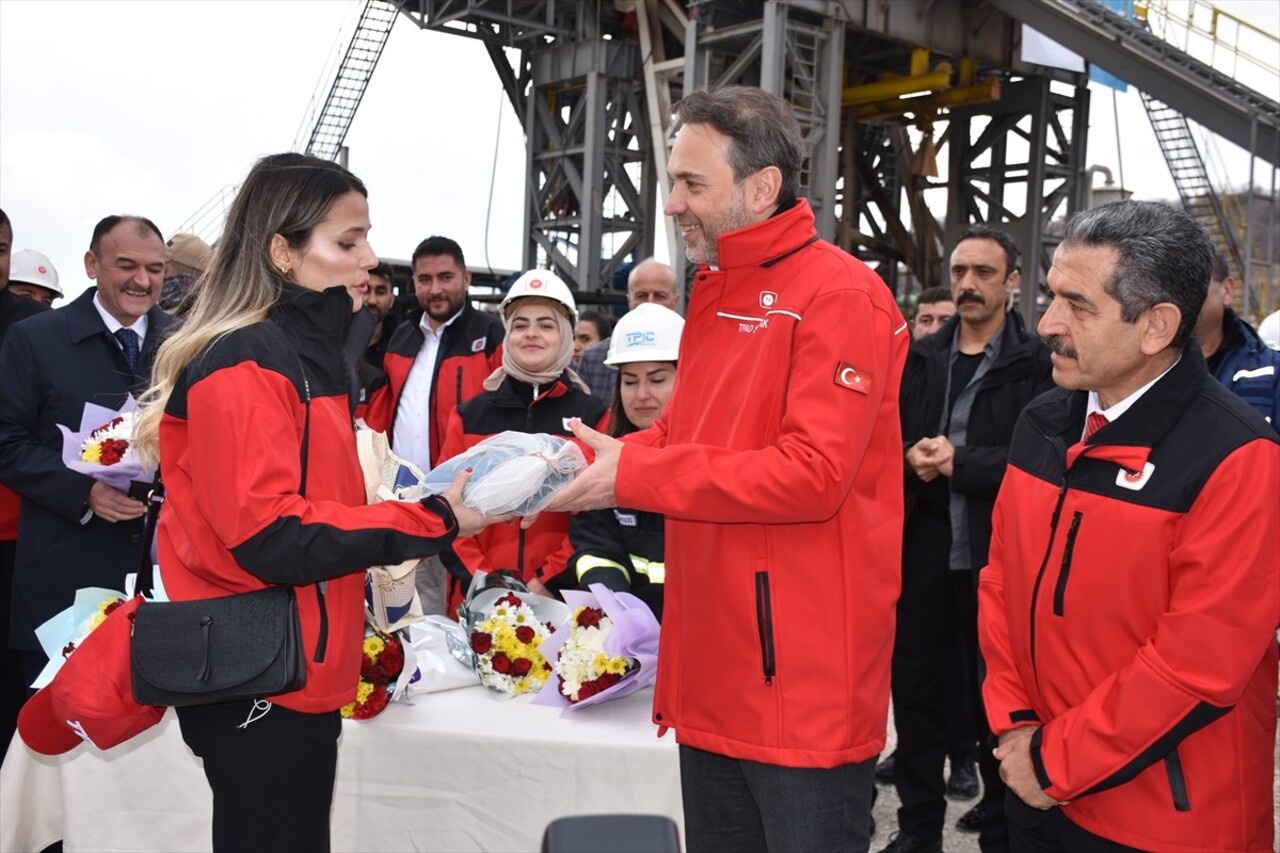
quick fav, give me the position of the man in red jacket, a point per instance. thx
(1127, 616)
(778, 464)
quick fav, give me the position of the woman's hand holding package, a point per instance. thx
(470, 522)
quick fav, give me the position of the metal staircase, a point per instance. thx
(1133, 53)
(329, 125)
(1199, 197)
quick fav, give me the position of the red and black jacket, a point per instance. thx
(237, 443)
(542, 550)
(470, 350)
(1129, 609)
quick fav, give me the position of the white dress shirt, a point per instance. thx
(411, 437)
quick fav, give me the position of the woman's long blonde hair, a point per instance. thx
(285, 194)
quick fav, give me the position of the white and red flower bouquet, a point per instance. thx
(103, 446)
(506, 626)
(382, 675)
(62, 633)
(609, 651)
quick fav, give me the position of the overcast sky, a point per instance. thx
(136, 106)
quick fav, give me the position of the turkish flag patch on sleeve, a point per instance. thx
(853, 378)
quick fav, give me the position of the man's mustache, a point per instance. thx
(970, 296)
(1055, 344)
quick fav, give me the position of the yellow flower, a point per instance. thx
(373, 647)
(363, 691)
(348, 710)
(91, 453)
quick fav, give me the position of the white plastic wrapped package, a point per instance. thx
(513, 472)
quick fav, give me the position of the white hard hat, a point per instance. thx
(648, 332)
(541, 283)
(31, 267)
(1269, 330)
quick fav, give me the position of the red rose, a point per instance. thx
(373, 706)
(374, 673)
(520, 667)
(590, 617)
(607, 680)
(501, 663)
(587, 690)
(511, 599)
(525, 634)
(113, 450)
(392, 658)
(481, 642)
(115, 602)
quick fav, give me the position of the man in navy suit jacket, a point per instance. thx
(75, 531)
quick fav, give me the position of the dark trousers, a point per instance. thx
(738, 806)
(1034, 831)
(272, 780)
(13, 689)
(937, 623)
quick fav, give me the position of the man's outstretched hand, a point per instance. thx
(593, 488)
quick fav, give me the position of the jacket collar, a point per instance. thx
(319, 322)
(84, 321)
(513, 393)
(1129, 439)
(1015, 344)
(770, 241)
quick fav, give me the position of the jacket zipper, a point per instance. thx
(1177, 782)
(1044, 563)
(322, 637)
(764, 623)
(1060, 590)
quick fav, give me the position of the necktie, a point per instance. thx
(128, 339)
(1093, 423)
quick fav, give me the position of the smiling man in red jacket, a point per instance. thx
(778, 464)
(1127, 616)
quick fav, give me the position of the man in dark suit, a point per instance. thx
(75, 531)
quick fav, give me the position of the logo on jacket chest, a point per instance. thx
(1134, 480)
(478, 344)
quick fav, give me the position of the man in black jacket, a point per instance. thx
(77, 531)
(962, 391)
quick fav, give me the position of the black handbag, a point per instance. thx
(242, 646)
(245, 646)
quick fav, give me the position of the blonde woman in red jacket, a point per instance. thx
(250, 416)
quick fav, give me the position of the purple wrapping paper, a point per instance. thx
(117, 476)
(634, 635)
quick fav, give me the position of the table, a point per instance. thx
(427, 776)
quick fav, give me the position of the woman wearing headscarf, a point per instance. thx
(535, 392)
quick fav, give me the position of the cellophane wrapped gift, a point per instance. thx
(512, 472)
(609, 650)
(506, 626)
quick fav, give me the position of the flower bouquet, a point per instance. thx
(62, 634)
(381, 666)
(609, 651)
(506, 626)
(103, 446)
(512, 472)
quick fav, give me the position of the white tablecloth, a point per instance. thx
(456, 771)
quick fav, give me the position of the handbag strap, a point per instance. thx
(144, 585)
